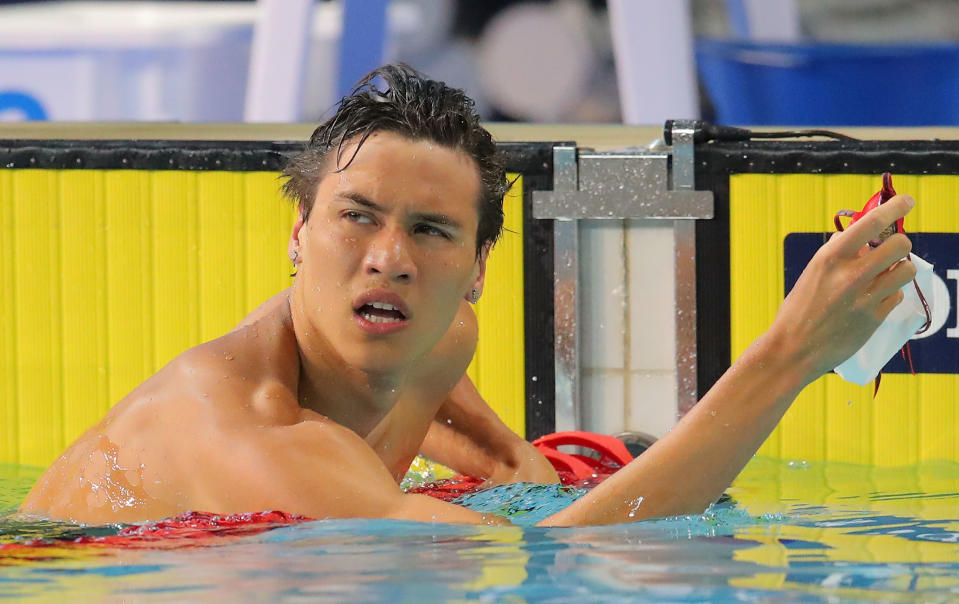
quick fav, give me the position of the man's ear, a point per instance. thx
(479, 280)
(293, 248)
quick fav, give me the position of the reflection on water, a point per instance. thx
(802, 532)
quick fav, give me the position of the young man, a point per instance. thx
(319, 400)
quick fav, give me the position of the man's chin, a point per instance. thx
(381, 357)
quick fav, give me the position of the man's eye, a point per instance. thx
(357, 217)
(428, 229)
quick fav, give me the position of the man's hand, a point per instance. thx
(846, 291)
(529, 465)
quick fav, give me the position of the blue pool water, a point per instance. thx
(799, 532)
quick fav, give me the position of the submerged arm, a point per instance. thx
(470, 438)
(320, 470)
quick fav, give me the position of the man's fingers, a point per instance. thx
(887, 282)
(869, 226)
(888, 304)
(886, 255)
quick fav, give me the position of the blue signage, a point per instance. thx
(28, 106)
(936, 350)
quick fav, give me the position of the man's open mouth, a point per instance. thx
(380, 312)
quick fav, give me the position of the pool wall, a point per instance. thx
(777, 221)
(111, 269)
(118, 255)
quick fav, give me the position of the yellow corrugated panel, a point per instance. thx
(106, 275)
(128, 280)
(937, 430)
(37, 301)
(222, 244)
(267, 233)
(9, 440)
(913, 417)
(499, 366)
(176, 259)
(83, 262)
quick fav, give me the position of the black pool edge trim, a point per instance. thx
(236, 156)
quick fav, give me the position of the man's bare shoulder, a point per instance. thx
(163, 440)
(242, 371)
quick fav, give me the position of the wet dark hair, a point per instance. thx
(417, 108)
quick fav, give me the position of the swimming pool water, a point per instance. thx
(799, 532)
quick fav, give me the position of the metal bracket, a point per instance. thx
(656, 184)
(634, 184)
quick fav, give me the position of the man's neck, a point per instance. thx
(350, 396)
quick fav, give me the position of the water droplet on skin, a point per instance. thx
(449, 421)
(713, 413)
(228, 356)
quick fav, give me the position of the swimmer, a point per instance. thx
(319, 400)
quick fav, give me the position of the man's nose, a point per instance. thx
(389, 255)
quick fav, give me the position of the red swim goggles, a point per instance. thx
(885, 194)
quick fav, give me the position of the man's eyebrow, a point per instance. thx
(362, 200)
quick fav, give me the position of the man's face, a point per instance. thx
(389, 250)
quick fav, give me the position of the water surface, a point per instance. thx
(800, 532)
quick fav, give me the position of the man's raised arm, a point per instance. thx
(840, 299)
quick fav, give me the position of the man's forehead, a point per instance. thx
(417, 166)
(359, 146)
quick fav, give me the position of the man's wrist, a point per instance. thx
(777, 355)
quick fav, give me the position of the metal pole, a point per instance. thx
(684, 233)
(566, 297)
